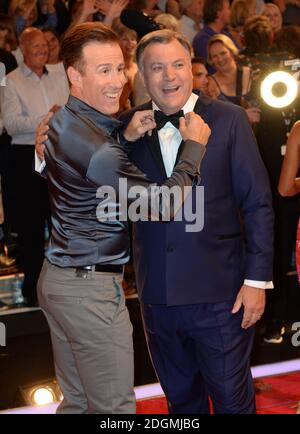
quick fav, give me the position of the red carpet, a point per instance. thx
(283, 394)
(275, 395)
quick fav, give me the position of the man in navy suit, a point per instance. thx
(201, 291)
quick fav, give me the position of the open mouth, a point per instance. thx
(170, 90)
(113, 96)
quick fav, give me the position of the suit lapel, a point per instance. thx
(179, 151)
(154, 145)
(200, 104)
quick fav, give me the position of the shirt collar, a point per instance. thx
(188, 107)
(27, 71)
(105, 122)
(208, 30)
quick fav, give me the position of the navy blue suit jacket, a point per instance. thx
(175, 267)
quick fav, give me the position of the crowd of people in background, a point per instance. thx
(234, 45)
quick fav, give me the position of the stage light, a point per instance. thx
(42, 396)
(46, 392)
(279, 89)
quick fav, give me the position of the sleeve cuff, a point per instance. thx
(39, 164)
(259, 284)
(193, 152)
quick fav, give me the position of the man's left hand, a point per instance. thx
(253, 300)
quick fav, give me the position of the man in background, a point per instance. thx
(30, 92)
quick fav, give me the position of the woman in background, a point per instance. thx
(272, 12)
(128, 43)
(241, 10)
(289, 183)
(54, 62)
(230, 82)
(53, 49)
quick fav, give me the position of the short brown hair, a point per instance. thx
(211, 9)
(160, 37)
(78, 37)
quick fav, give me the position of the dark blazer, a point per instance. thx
(176, 267)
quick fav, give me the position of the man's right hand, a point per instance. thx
(142, 122)
(193, 127)
(41, 136)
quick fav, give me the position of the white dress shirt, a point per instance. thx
(170, 139)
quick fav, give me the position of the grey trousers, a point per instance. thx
(91, 335)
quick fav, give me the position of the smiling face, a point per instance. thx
(220, 56)
(274, 16)
(200, 75)
(128, 44)
(167, 72)
(53, 46)
(35, 50)
(102, 79)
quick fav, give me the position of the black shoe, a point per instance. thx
(274, 332)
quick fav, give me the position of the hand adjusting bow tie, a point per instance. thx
(161, 119)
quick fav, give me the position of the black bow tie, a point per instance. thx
(161, 119)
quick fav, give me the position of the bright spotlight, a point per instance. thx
(43, 393)
(43, 396)
(279, 89)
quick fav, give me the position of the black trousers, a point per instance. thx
(31, 211)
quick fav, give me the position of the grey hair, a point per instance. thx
(160, 37)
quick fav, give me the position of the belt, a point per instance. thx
(109, 268)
